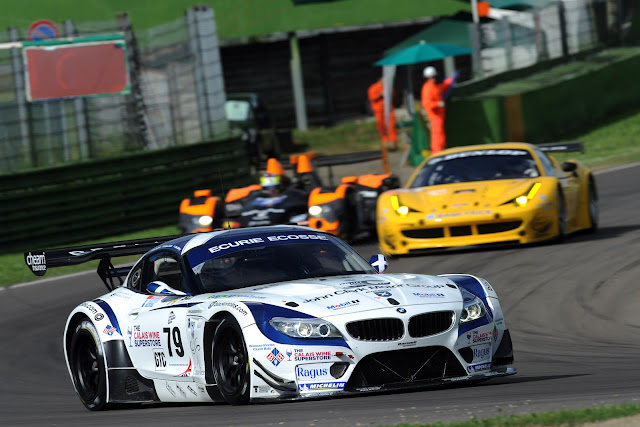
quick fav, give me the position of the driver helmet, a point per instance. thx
(271, 183)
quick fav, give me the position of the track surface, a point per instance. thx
(572, 309)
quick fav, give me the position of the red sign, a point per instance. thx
(43, 30)
(68, 71)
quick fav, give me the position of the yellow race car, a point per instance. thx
(488, 194)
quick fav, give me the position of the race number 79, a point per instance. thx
(173, 335)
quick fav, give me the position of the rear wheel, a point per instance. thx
(87, 366)
(231, 362)
(562, 218)
(594, 212)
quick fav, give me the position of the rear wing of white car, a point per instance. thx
(562, 147)
(40, 260)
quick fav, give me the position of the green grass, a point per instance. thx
(559, 418)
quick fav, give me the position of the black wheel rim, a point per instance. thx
(86, 367)
(230, 360)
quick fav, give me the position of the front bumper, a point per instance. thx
(417, 232)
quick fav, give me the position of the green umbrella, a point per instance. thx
(423, 52)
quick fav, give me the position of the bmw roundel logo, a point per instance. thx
(401, 310)
(383, 294)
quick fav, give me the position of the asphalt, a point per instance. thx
(572, 309)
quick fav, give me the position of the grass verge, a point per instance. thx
(578, 417)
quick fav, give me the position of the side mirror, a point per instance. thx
(379, 262)
(569, 167)
(160, 288)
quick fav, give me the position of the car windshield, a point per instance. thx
(476, 165)
(237, 263)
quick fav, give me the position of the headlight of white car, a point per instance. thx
(472, 310)
(305, 328)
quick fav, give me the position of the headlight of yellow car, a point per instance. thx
(524, 199)
(401, 210)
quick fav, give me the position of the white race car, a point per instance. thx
(281, 312)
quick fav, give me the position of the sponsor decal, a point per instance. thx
(334, 385)
(476, 336)
(363, 289)
(343, 305)
(236, 296)
(182, 392)
(275, 357)
(299, 355)
(170, 390)
(458, 214)
(159, 359)
(262, 389)
(98, 317)
(495, 333)
(479, 367)
(151, 301)
(92, 309)
(408, 344)
(140, 338)
(313, 372)
(171, 318)
(260, 347)
(256, 240)
(192, 391)
(481, 353)
(268, 201)
(187, 372)
(109, 330)
(428, 286)
(429, 294)
(233, 305)
(37, 262)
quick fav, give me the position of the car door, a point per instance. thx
(156, 335)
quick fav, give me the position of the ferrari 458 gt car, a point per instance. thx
(281, 312)
(487, 194)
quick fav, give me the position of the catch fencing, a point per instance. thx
(176, 97)
(560, 29)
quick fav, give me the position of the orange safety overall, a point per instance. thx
(376, 98)
(433, 104)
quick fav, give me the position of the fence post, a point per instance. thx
(17, 69)
(563, 29)
(476, 50)
(83, 133)
(136, 107)
(209, 80)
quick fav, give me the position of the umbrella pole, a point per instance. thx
(410, 106)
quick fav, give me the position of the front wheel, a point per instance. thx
(231, 362)
(562, 218)
(594, 213)
(88, 372)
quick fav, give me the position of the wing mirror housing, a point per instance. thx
(569, 166)
(160, 288)
(379, 262)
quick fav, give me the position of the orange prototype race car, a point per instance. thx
(345, 210)
(488, 194)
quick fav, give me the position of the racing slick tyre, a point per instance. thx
(562, 218)
(231, 362)
(86, 361)
(349, 220)
(594, 212)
